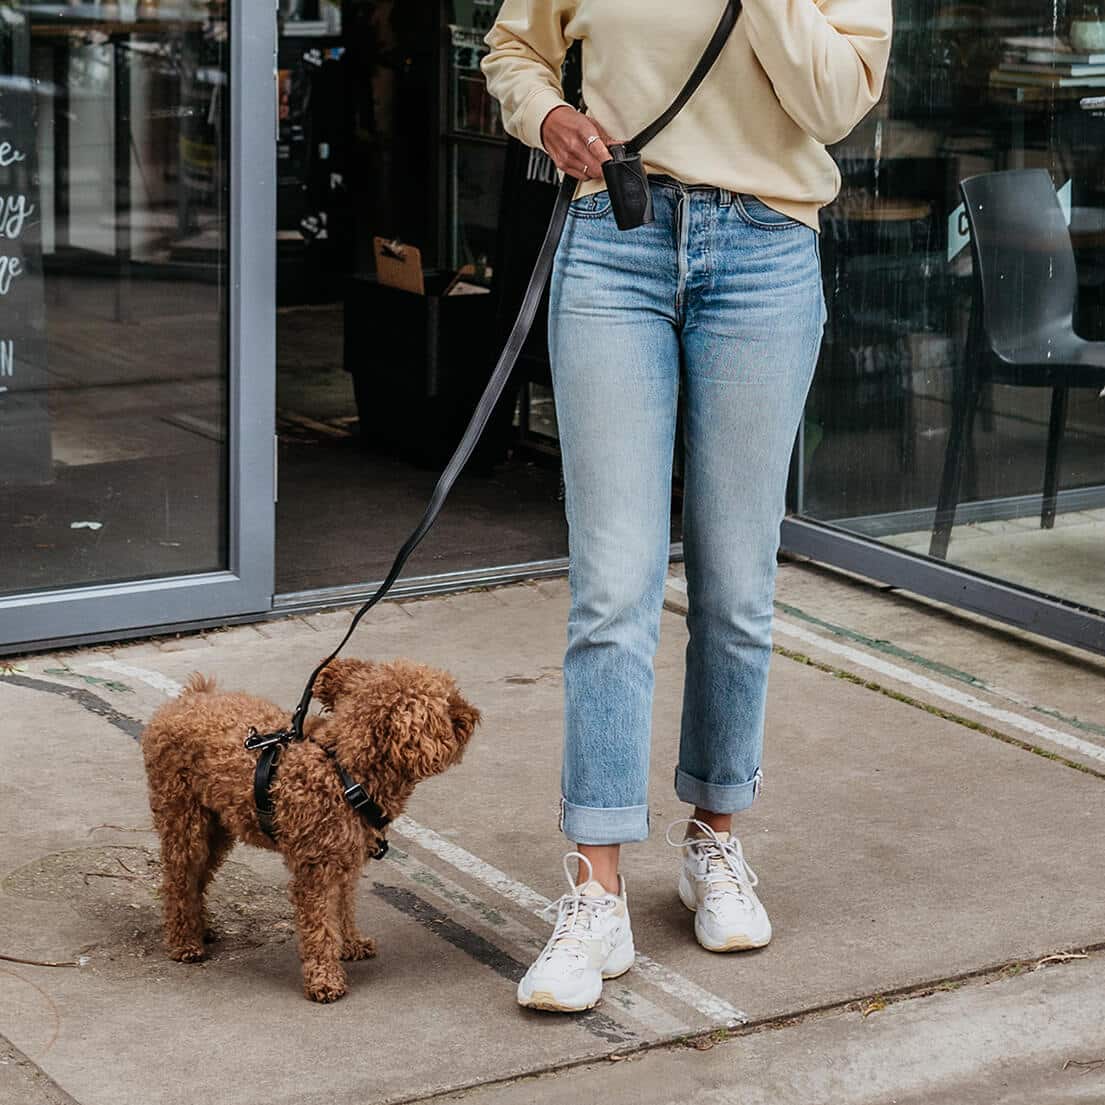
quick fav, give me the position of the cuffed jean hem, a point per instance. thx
(595, 825)
(716, 797)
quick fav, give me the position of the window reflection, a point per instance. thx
(972, 89)
(113, 410)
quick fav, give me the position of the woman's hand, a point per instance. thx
(564, 134)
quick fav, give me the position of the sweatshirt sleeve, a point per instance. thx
(826, 59)
(527, 47)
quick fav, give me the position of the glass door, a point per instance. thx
(136, 315)
(944, 450)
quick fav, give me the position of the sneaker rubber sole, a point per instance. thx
(736, 944)
(543, 999)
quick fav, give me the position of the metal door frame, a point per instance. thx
(1030, 610)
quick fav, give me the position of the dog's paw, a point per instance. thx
(364, 947)
(187, 953)
(324, 985)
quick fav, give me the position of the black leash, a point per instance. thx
(518, 334)
(271, 743)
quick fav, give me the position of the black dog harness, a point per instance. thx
(272, 746)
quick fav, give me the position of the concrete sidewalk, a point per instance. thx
(928, 840)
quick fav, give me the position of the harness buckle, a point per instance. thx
(362, 803)
(255, 740)
(357, 796)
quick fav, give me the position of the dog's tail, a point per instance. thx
(198, 683)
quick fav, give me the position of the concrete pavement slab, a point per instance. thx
(1042, 694)
(22, 1083)
(1035, 1039)
(895, 849)
(82, 883)
(1062, 681)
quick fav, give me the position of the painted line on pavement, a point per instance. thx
(91, 702)
(683, 989)
(659, 1022)
(959, 698)
(481, 950)
(933, 687)
(935, 667)
(154, 679)
(673, 984)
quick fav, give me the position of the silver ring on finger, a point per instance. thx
(593, 138)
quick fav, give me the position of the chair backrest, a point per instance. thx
(1024, 262)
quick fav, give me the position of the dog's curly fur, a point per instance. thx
(389, 724)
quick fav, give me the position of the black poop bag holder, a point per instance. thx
(631, 202)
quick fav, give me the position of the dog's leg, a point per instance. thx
(219, 843)
(315, 890)
(182, 824)
(353, 944)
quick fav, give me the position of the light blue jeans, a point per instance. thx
(719, 298)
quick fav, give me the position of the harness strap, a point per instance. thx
(264, 774)
(363, 803)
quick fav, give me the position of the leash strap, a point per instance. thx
(520, 330)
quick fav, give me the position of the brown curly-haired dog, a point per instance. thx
(389, 725)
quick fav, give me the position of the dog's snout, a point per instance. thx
(465, 718)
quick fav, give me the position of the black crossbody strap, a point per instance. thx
(513, 347)
(698, 74)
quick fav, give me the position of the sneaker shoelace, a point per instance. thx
(726, 868)
(574, 913)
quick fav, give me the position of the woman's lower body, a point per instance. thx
(719, 299)
(718, 305)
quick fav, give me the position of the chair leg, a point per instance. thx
(905, 422)
(1054, 455)
(964, 405)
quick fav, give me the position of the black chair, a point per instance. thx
(1021, 331)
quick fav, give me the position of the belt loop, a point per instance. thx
(724, 197)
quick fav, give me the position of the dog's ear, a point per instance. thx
(465, 717)
(332, 680)
(422, 722)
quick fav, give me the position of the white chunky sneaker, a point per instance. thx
(716, 883)
(592, 940)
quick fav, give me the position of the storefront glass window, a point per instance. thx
(113, 261)
(1005, 412)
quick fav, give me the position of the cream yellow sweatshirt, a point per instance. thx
(794, 76)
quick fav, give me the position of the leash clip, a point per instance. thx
(255, 740)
